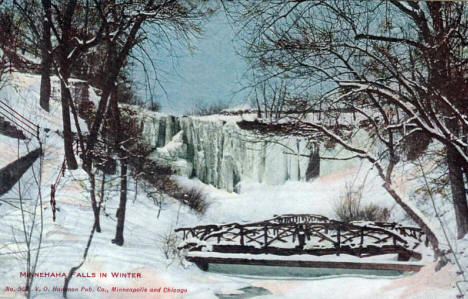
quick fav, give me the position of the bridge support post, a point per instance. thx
(202, 265)
(403, 257)
(301, 237)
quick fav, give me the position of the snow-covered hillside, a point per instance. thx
(146, 235)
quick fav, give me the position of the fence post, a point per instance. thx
(265, 229)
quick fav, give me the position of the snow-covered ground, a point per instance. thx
(143, 253)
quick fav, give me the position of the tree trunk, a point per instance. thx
(457, 184)
(431, 236)
(67, 133)
(119, 239)
(94, 205)
(64, 69)
(46, 63)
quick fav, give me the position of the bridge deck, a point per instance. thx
(202, 260)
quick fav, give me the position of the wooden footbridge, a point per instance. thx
(303, 240)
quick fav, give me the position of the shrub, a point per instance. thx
(196, 200)
(169, 242)
(209, 109)
(349, 208)
(153, 106)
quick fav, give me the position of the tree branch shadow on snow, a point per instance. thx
(75, 268)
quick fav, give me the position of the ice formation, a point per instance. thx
(219, 153)
(216, 151)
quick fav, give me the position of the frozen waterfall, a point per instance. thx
(216, 151)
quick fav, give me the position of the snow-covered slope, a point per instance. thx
(146, 234)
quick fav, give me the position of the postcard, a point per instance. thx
(233, 149)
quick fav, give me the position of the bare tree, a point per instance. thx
(271, 98)
(122, 27)
(163, 16)
(73, 40)
(180, 17)
(73, 35)
(397, 65)
(11, 41)
(36, 16)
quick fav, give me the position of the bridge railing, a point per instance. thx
(305, 234)
(18, 119)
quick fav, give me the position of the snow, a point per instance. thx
(144, 252)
